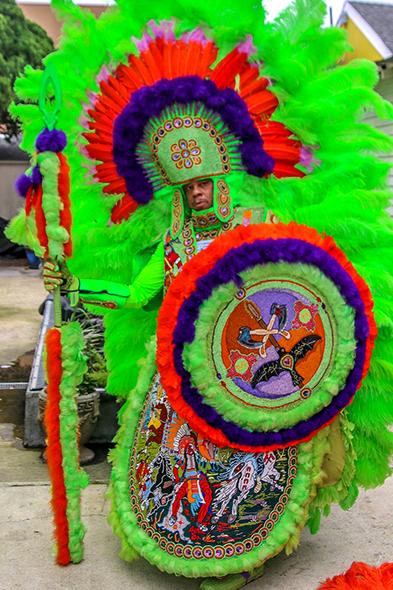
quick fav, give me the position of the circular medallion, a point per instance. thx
(258, 360)
(265, 337)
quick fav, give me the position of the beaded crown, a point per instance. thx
(185, 142)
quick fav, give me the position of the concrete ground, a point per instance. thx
(362, 534)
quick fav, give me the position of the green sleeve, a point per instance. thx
(114, 295)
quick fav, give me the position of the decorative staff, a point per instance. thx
(48, 212)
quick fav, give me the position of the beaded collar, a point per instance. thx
(202, 226)
(205, 220)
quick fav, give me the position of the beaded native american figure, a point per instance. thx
(248, 414)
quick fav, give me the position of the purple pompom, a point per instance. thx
(22, 185)
(51, 141)
(36, 176)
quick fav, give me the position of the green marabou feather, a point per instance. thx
(75, 479)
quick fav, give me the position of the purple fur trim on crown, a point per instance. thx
(308, 160)
(51, 141)
(143, 43)
(92, 96)
(103, 75)
(22, 184)
(83, 121)
(150, 101)
(226, 270)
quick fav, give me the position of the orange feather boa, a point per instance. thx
(54, 452)
(361, 576)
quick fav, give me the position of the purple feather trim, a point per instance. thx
(197, 35)
(165, 29)
(226, 270)
(248, 46)
(150, 101)
(51, 141)
(22, 184)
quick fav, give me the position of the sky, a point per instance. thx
(273, 7)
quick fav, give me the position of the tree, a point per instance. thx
(22, 42)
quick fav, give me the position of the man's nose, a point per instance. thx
(196, 190)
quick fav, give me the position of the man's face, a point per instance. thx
(199, 194)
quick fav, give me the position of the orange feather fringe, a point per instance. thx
(361, 576)
(123, 209)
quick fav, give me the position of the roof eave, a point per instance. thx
(349, 11)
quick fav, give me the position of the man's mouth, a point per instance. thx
(200, 201)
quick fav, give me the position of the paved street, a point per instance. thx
(363, 533)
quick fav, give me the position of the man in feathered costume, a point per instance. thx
(206, 150)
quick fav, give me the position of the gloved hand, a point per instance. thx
(58, 276)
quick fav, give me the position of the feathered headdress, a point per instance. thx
(174, 112)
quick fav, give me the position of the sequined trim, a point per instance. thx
(223, 198)
(206, 220)
(107, 304)
(177, 213)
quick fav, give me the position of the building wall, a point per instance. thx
(385, 89)
(10, 201)
(362, 48)
(43, 15)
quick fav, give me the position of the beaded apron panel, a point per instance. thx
(197, 500)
